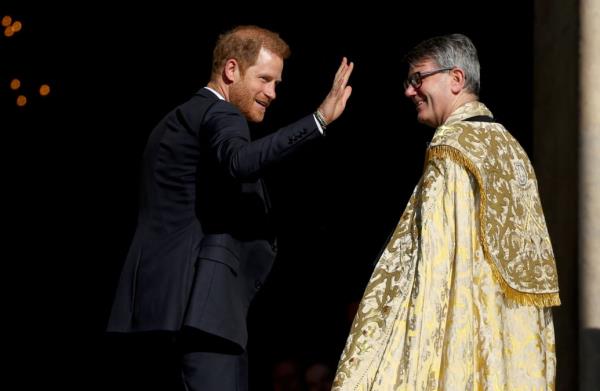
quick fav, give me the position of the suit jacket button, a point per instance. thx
(258, 284)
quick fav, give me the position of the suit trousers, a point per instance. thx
(210, 371)
(210, 363)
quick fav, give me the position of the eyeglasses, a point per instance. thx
(416, 79)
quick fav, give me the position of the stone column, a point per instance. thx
(589, 195)
(555, 157)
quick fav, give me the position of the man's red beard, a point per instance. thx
(244, 101)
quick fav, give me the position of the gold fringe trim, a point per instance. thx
(524, 298)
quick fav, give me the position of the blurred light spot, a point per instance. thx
(16, 26)
(9, 31)
(21, 100)
(6, 21)
(44, 89)
(15, 84)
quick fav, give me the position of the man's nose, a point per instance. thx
(270, 91)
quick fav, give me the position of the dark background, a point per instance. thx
(71, 161)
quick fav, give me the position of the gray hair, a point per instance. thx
(448, 51)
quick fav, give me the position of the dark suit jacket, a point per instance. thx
(204, 242)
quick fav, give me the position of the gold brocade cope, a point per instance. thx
(512, 224)
(449, 303)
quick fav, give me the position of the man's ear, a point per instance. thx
(231, 71)
(457, 82)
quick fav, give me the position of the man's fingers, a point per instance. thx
(341, 68)
(342, 77)
(347, 93)
(348, 72)
(339, 75)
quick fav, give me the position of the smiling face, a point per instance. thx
(253, 91)
(434, 99)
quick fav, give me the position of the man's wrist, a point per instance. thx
(321, 119)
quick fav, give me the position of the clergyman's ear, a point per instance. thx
(458, 80)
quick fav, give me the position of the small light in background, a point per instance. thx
(44, 89)
(17, 26)
(21, 100)
(6, 21)
(9, 32)
(15, 84)
(21, 89)
(11, 28)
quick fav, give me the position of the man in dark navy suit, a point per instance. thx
(204, 241)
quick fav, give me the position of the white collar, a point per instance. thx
(215, 92)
